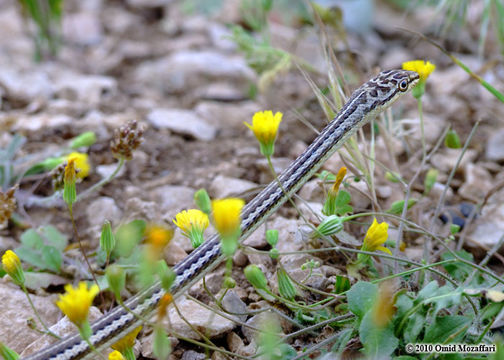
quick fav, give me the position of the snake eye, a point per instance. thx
(403, 85)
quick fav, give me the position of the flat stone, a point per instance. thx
(183, 122)
(233, 304)
(173, 198)
(488, 228)
(16, 311)
(257, 239)
(495, 146)
(446, 159)
(287, 229)
(206, 321)
(174, 254)
(82, 28)
(101, 209)
(478, 182)
(223, 186)
(40, 122)
(62, 328)
(90, 89)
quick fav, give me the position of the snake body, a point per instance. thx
(365, 103)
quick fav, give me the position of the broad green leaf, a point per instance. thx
(52, 258)
(32, 239)
(403, 304)
(444, 298)
(41, 280)
(53, 237)
(361, 297)
(451, 327)
(413, 328)
(31, 256)
(379, 343)
(459, 271)
(428, 291)
(397, 206)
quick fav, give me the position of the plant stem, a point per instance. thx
(102, 182)
(49, 332)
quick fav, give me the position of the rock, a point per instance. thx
(489, 227)
(221, 37)
(106, 170)
(287, 229)
(446, 159)
(14, 83)
(16, 311)
(292, 264)
(279, 164)
(62, 328)
(478, 182)
(183, 122)
(495, 146)
(41, 122)
(233, 304)
(146, 344)
(312, 211)
(226, 116)
(257, 239)
(91, 89)
(172, 198)
(136, 208)
(192, 355)
(240, 259)
(221, 91)
(188, 69)
(174, 254)
(207, 321)
(358, 190)
(148, 3)
(256, 322)
(223, 186)
(101, 209)
(181, 240)
(82, 28)
(236, 345)
(313, 190)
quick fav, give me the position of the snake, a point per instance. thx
(364, 104)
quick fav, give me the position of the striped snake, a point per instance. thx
(364, 104)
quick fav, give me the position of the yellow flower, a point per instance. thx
(75, 303)
(424, 69)
(193, 223)
(127, 341)
(227, 215)
(12, 266)
(376, 236)
(81, 163)
(339, 179)
(115, 355)
(158, 236)
(265, 128)
(227, 221)
(166, 300)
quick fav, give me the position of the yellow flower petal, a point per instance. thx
(424, 69)
(10, 262)
(376, 236)
(384, 249)
(265, 127)
(75, 303)
(227, 215)
(115, 355)
(158, 236)
(81, 163)
(127, 341)
(191, 219)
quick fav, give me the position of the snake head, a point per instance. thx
(403, 80)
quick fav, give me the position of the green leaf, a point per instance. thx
(53, 237)
(459, 271)
(451, 327)
(342, 200)
(31, 256)
(397, 206)
(128, 236)
(379, 343)
(413, 328)
(444, 298)
(491, 310)
(52, 258)
(403, 304)
(32, 239)
(161, 346)
(342, 340)
(361, 297)
(428, 291)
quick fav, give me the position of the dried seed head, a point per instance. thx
(7, 205)
(58, 177)
(126, 139)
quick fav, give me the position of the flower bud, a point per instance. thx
(202, 201)
(331, 225)
(272, 237)
(256, 277)
(116, 278)
(397, 206)
(12, 266)
(274, 253)
(107, 239)
(430, 180)
(452, 140)
(87, 138)
(229, 282)
(286, 287)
